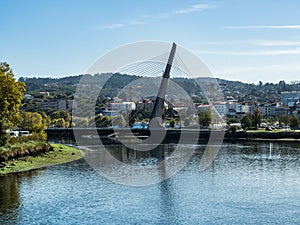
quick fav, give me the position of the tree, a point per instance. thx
(59, 122)
(11, 96)
(284, 119)
(60, 114)
(205, 118)
(100, 121)
(172, 123)
(80, 122)
(3, 134)
(35, 123)
(246, 122)
(118, 121)
(256, 118)
(294, 122)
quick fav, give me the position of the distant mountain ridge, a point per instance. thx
(232, 90)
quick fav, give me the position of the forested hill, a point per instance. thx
(268, 92)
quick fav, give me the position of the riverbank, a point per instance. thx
(86, 136)
(260, 135)
(60, 154)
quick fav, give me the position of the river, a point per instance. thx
(249, 183)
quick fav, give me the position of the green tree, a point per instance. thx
(284, 120)
(205, 118)
(294, 122)
(11, 96)
(246, 122)
(256, 118)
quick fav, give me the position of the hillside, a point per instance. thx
(66, 87)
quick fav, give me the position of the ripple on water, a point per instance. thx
(245, 184)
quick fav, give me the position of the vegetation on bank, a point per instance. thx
(11, 96)
(19, 153)
(57, 154)
(19, 150)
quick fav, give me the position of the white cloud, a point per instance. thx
(252, 53)
(113, 26)
(266, 43)
(137, 22)
(264, 27)
(275, 43)
(193, 8)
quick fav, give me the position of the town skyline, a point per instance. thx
(238, 40)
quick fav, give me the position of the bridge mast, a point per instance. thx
(156, 116)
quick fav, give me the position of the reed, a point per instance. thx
(19, 150)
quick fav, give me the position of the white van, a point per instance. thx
(14, 133)
(24, 133)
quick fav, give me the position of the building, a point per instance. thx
(268, 109)
(290, 98)
(64, 105)
(202, 107)
(228, 108)
(120, 106)
(222, 108)
(49, 104)
(180, 108)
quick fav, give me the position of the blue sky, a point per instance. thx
(251, 41)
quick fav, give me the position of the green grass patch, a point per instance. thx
(60, 154)
(271, 131)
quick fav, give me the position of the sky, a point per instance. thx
(248, 41)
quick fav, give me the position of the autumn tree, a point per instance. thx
(80, 122)
(35, 123)
(59, 122)
(61, 118)
(118, 121)
(11, 96)
(100, 121)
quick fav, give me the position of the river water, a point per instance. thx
(256, 183)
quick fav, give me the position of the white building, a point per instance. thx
(289, 98)
(120, 106)
(222, 108)
(202, 107)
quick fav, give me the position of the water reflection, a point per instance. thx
(138, 168)
(254, 183)
(10, 201)
(167, 206)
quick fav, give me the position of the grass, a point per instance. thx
(273, 131)
(21, 149)
(60, 154)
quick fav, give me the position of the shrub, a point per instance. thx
(18, 150)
